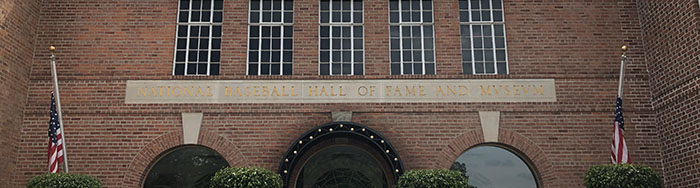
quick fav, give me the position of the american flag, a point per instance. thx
(619, 153)
(55, 139)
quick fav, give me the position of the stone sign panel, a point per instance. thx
(338, 91)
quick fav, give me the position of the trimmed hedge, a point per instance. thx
(64, 180)
(432, 178)
(622, 176)
(245, 177)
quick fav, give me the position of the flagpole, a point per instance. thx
(58, 106)
(622, 71)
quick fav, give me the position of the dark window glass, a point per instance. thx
(287, 69)
(189, 166)
(202, 68)
(215, 56)
(264, 69)
(180, 56)
(490, 166)
(180, 69)
(253, 69)
(218, 4)
(218, 17)
(325, 69)
(191, 68)
(395, 69)
(275, 69)
(214, 69)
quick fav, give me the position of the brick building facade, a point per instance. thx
(103, 44)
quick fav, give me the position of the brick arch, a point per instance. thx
(138, 166)
(457, 146)
(474, 137)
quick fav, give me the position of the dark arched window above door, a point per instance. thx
(184, 167)
(494, 166)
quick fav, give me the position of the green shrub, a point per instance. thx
(622, 176)
(432, 178)
(63, 180)
(245, 177)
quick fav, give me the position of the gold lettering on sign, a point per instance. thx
(274, 90)
(411, 92)
(142, 91)
(441, 91)
(539, 90)
(265, 91)
(227, 91)
(323, 91)
(508, 90)
(362, 91)
(238, 91)
(455, 90)
(201, 93)
(178, 93)
(332, 93)
(187, 89)
(283, 93)
(452, 91)
(315, 91)
(256, 92)
(160, 89)
(397, 91)
(485, 91)
(463, 88)
(341, 91)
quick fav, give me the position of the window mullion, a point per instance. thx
(493, 43)
(469, 13)
(210, 39)
(330, 49)
(471, 43)
(352, 44)
(187, 47)
(505, 48)
(401, 50)
(260, 50)
(422, 37)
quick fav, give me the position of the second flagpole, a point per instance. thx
(58, 106)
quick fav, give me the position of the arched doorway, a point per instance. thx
(188, 166)
(495, 165)
(341, 154)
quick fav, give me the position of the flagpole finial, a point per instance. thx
(52, 48)
(624, 48)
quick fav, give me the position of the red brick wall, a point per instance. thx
(672, 38)
(102, 44)
(18, 19)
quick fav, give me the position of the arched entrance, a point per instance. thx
(341, 154)
(188, 166)
(497, 165)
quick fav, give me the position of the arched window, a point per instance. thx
(491, 166)
(187, 166)
(342, 166)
